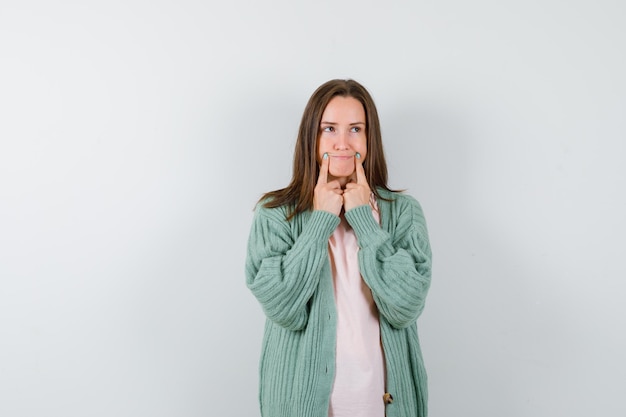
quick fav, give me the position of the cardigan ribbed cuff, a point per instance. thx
(365, 227)
(321, 224)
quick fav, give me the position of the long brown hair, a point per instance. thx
(298, 195)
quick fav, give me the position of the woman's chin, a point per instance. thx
(343, 173)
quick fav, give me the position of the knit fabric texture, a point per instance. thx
(288, 271)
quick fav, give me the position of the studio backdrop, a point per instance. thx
(137, 136)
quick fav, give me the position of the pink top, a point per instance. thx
(360, 368)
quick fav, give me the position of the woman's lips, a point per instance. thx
(341, 157)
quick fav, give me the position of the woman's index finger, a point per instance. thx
(360, 171)
(323, 177)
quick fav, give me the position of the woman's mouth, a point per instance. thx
(341, 156)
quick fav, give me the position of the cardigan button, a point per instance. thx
(387, 398)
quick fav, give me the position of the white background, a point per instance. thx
(136, 136)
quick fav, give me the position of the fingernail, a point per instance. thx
(326, 155)
(358, 155)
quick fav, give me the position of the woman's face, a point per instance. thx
(342, 135)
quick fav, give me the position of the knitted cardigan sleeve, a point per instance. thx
(395, 265)
(283, 270)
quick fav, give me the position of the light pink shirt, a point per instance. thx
(360, 369)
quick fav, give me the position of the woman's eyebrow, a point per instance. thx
(333, 123)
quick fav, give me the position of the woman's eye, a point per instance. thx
(328, 129)
(355, 129)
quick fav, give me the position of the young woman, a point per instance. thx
(341, 265)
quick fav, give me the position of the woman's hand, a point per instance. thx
(328, 196)
(357, 193)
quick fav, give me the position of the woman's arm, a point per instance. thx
(283, 271)
(396, 268)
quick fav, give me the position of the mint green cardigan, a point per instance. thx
(288, 271)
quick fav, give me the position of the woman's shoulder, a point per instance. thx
(264, 209)
(399, 198)
(402, 203)
(278, 216)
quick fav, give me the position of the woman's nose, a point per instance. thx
(342, 141)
